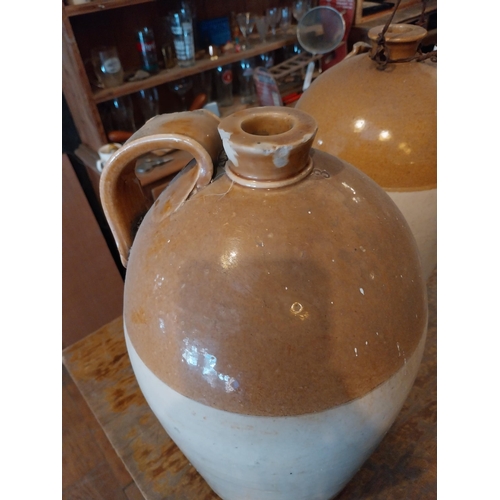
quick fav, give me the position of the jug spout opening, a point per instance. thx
(263, 125)
(268, 147)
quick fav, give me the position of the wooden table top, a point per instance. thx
(404, 466)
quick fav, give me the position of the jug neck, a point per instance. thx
(402, 40)
(268, 147)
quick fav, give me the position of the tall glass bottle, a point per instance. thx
(147, 48)
(181, 24)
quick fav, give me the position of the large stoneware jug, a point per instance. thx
(275, 314)
(377, 111)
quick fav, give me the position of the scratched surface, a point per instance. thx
(403, 466)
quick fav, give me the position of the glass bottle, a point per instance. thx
(147, 49)
(181, 24)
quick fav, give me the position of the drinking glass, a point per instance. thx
(122, 114)
(273, 17)
(149, 103)
(245, 79)
(266, 60)
(107, 66)
(246, 22)
(262, 27)
(286, 19)
(181, 87)
(202, 84)
(299, 8)
(224, 85)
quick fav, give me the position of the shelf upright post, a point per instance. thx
(77, 91)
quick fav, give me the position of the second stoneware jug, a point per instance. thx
(378, 112)
(275, 314)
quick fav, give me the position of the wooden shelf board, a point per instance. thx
(176, 73)
(405, 13)
(99, 6)
(87, 156)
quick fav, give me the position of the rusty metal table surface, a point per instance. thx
(404, 466)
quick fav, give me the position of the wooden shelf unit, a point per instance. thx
(113, 22)
(170, 75)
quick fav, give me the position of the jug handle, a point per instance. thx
(121, 194)
(359, 48)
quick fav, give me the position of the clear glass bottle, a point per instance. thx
(181, 24)
(147, 48)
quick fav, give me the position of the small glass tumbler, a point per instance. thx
(148, 103)
(286, 19)
(262, 25)
(266, 60)
(122, 114)
(181, 87)
(107, 66)
(224, 85)
(245, 79)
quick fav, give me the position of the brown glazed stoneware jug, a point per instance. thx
(383, 121)
(275, 314)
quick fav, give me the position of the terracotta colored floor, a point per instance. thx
(91, 468)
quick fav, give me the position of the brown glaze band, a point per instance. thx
(277, 302)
